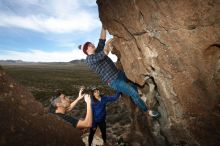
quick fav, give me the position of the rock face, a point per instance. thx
(24, 122)
(172, 49)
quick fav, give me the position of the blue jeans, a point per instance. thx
(121, 84)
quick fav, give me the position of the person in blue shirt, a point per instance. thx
(97, 59)
(99, 113)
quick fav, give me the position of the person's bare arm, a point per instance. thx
(108, 46)
(87, 122)
(73, 104)
(103, 34)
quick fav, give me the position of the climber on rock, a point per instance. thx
(99, 62)
(63, 105)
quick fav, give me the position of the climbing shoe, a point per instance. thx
(154, 114)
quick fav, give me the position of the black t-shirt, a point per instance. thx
(69, 119)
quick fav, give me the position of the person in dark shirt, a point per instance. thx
(99, 113)
(99, 62)
(63, 105)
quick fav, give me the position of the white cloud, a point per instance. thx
(63, 24)
(113, 57)
(80, 22)
(54, 16)
(42, 56)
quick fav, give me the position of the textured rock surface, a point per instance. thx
(172, 49)
(24, 122)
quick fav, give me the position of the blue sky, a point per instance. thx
(47, 30)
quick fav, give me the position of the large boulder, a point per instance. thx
(25, 122)
(171, 48)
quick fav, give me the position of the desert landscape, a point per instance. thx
(43, 79)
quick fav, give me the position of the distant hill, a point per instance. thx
(78, 61)
(8, 62)
(12, 62)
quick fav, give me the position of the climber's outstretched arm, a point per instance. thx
(103, 33)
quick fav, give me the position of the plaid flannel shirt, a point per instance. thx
(101, 64)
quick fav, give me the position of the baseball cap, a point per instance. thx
(85, 47)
